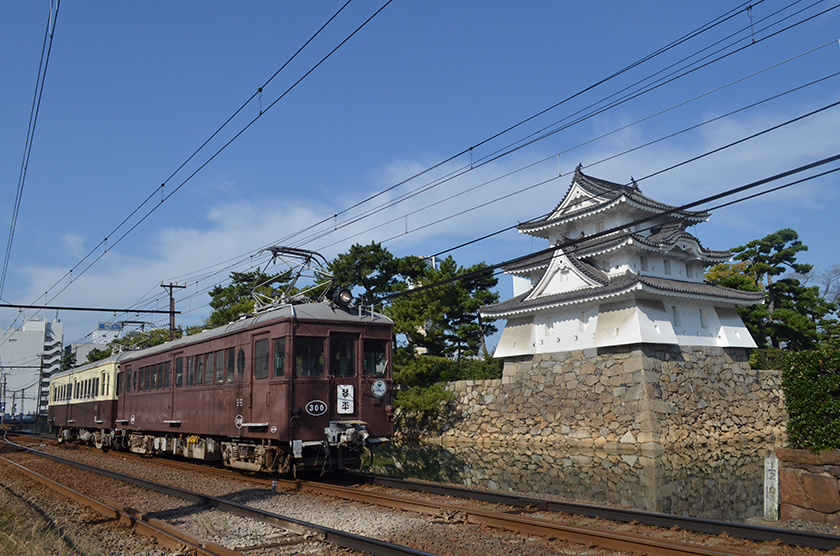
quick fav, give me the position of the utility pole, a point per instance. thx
(40, 395)
(3, 400)
(171, 287)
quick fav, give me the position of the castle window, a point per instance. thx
(667, 267)
(703, 323)
(644, 263)
(676, 315)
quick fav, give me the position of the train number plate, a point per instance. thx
(316, 408)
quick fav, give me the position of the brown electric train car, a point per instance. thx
(298, 385)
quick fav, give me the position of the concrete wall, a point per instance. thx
(646, 397)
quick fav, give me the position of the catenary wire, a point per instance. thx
(682, 39)
(677, 165)
(203, 165)
(514, 147)
(568, 242)
(41, 79)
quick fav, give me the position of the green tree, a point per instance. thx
(235, 299)
(443, 320)
(68, 361)
(773, 255)
(795, 316)
(98, 354)
(374, 270)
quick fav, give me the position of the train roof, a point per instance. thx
(324, 311)
(87, 366)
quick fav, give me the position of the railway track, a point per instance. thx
(510, 519)
(666, 521)
(174, 538)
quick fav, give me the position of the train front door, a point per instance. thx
(269, 387)
(343, 371)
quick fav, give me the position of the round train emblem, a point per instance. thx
(379, 388)
(316, 408)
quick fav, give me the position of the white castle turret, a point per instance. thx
(623, 271)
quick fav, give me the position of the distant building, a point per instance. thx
(28, 356)
(106, 332)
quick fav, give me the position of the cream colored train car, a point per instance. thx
(83, 402)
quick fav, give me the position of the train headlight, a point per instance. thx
(342, 297)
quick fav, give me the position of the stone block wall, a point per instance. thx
(640, 397)
(808, 486)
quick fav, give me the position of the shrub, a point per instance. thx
(811, 384)
(768, 359)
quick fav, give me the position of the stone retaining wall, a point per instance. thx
(808, 486)
(637, 397)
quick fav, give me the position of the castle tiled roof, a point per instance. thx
(662, 237)
(610, 194)
(618, 286)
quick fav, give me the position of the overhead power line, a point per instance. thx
(571, 242)
(212, 157)
(46, 48)
(93, 309)
(104, 242)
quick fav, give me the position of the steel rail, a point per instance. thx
(572, 533)
(325, 534)
(165, 534)
(581, 534)
(667, 521)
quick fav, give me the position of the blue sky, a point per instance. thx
(132, 90)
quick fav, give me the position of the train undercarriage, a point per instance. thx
(346, 446)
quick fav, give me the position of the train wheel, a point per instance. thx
(98, 441)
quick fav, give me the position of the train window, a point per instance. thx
(220, 366)
(230, 363)
(342, 357)
(120, 379)
(179, 372)
(199, 369)
(375, 357)
(96, 386)
(309, 356)
(133, 380)
(261, 358)
(160, 372)
(190, 370)
(240, 363)
(208, 368)
(279, 356)
(167, 374)
(156, 372)
(147, 380)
